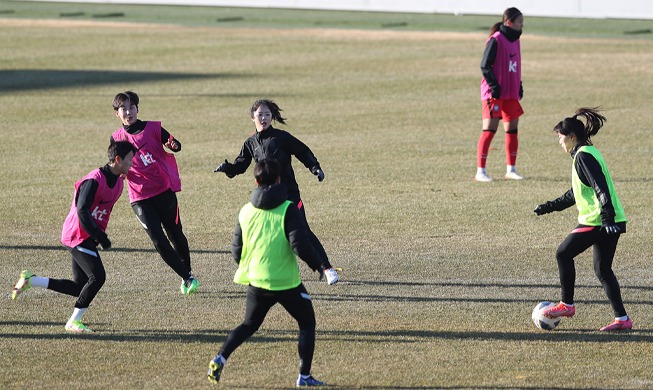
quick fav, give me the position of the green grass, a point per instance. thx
(440, 273)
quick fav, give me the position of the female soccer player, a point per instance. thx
(501, 90)
(601, 218)
(269, 235)
(84, 229)
(279, 145)
(152, 183)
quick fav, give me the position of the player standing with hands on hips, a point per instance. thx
(269, 235)
(83, 230)
(153, 181)
(501, 90)
(601, 218)
(271, 143)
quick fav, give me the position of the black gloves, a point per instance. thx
(521, 90)
(105, 244)
(318, 172)
(544, 208)
(227, 168)
(496, 92)
(612, 228)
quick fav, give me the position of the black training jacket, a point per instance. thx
(277, 145)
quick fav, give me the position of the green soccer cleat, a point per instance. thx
(77, 327)
(215, 370)
(24, 284)
(189, 285)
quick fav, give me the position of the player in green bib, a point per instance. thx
(269, 235)
(601, 217)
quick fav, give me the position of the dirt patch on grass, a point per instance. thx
(326, 33)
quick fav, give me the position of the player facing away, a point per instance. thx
(501, 90)
(601, 218)
(152, 182)
(269, 142)
(83, 230)
(270, 233)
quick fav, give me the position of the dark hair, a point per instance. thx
(274, 109)
(120, 148)
(593, 122)
(267, 172)
(122, 97)
(510, 14)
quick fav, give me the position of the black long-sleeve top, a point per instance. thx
(278, 145)
(590, 173)
(268, 198)
(85, 197)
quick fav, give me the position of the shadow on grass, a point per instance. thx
(278, 335)
(38, 79)
(113, 249)
(478, 285)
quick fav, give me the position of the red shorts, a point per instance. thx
(508, 110)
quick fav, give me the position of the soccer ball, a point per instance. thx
(542, 322)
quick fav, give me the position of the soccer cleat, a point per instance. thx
(189, 286)
(618, 325)
(24, 284)
(331, 276)
(482, 177)
(215, 369)
(513, 175)
(76, 326)
(559, 310)
(310, 381)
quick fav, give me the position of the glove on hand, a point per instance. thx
(521, 90)
(105, 244)
(318, 172)
(544, 208)
(227, 168)
(496, 92)
(612, 229)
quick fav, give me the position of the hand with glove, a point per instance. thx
(611, 228)
(318, 172)
(105, 244)
(227, 168)
(544, 208)
(496, 92)
(521, 90)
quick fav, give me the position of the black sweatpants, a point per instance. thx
(88, 275)
(295, 198)
(604, 247)
(297, 303)
(162, 212)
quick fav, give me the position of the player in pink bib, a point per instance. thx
(501, 91)
(152, 182)
(83, 230)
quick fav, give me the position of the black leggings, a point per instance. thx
(604, 247)
(297, 303)
(88, 275)
(162, 212)
(314, 240)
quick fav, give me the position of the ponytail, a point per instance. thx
(510, 14)
(584, 132)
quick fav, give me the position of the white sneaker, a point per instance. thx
(331, 276)
(482, 177)
(513, 175)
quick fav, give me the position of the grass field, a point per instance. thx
(440, 273)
